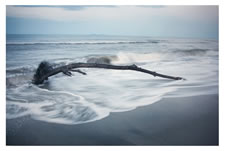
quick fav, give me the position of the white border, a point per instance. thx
(113, 2)
(221, 75)
(3, 3)
(2, 75)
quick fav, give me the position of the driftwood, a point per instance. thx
(46, 70)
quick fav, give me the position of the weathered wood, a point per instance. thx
(45, 70)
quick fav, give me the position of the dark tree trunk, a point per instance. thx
(45, 70)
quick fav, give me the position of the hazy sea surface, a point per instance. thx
(85, 98)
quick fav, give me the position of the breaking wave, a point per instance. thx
(130, 57)
(20, 70)
(83, 42)
(192, 52)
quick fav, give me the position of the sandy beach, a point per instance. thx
(171, 121)
(83, 75)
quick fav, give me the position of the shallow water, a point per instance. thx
(80, 99)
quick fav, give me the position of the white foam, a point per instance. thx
(128, 57)
(51, 106)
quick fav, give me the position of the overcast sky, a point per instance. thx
(160, 21)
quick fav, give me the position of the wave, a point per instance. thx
(42, 104)
(17, 80)
(131, 57)
(119, 58)
(192, 52)
(64, 107)
(83, 42)
(20, 70)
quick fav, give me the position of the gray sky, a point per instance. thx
(160, 21)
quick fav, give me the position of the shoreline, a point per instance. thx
(170, 121)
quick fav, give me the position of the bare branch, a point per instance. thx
(45, 70)
(79, 71)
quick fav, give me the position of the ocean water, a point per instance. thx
(86, 98)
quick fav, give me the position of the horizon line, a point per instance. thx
(118, 35)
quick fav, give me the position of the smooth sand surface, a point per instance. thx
(171, 121)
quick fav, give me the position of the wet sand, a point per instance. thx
(171, 121)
